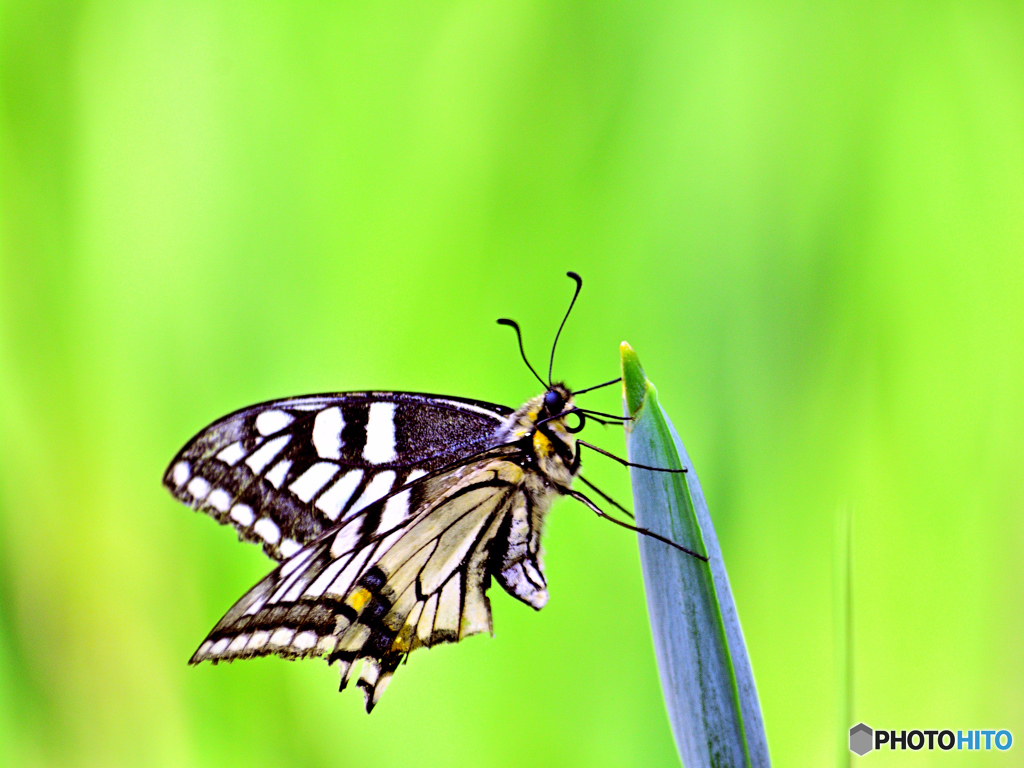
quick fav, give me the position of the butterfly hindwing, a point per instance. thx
(367, 591)
(284, 472)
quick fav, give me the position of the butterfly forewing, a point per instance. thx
(284, 472)
(364, 591)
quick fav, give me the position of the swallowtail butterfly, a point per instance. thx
(388, 514)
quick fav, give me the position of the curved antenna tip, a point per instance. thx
(519, 337)
(579, 285)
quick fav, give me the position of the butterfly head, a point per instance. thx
(554, 401)
(541, 426)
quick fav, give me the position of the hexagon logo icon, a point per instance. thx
(861, 739)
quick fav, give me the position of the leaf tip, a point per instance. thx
(634, 382)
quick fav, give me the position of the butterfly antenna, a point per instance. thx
(513, 324)
(579, 285)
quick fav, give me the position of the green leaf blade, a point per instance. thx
(705, 671)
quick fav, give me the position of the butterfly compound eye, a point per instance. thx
(553, 402)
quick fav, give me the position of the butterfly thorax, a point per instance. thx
(539, 427)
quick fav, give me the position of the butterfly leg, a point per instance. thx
(623, 462)
(605, 496)
(646, 532)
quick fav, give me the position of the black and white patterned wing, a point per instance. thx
(378, 594)
(284, 472)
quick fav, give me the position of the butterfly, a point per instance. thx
(388, 513)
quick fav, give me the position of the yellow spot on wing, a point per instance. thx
(358, 599)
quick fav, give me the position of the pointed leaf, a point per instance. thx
(702, 660)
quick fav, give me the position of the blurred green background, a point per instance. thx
(807, 218)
